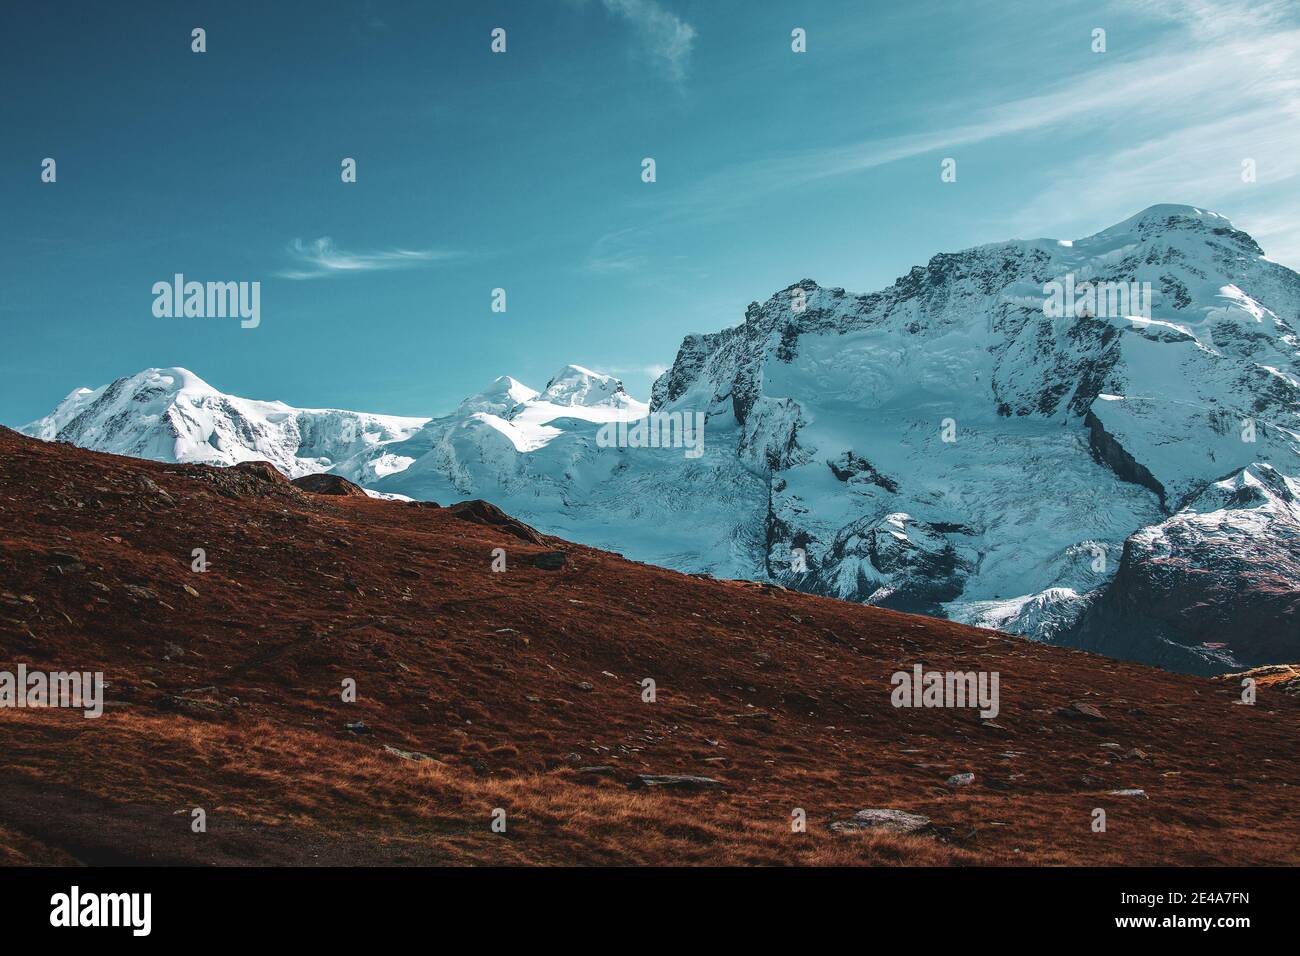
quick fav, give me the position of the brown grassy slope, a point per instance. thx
(226, 690)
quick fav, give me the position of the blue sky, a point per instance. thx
(523, 171)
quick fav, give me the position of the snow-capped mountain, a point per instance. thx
(170, 414)
(948, 446)
(1091, 442)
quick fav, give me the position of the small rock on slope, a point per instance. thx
(888, 820)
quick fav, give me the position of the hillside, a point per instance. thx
(522, 690)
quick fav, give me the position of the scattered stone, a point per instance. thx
(139, 593)
(961, 779)
(600, 770)
(149, 486)
(1080, 710)
(63, 559)
(1128, 793)
(887, 820)
(407, 754)
(359, 727)
(586, 685)
(190, 591)
(186, 704)
(676, 781)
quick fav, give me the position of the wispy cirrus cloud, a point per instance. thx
(320, 258)
(1223, 92)
(1222, 86)
(1213, 19)
(608, 254)
(1164, 93)
(664, 36)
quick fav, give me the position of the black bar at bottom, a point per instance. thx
(689, 905)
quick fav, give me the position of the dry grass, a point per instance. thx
(229, 701)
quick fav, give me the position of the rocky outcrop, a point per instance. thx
(1107, 451)
(327, 484)
(1217, 585)
(483, 512)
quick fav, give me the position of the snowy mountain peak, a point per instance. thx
(1168, 215)
(575, 385)
(170, 414)
(154, 382)
(142, 388)
(510, 388)
(1070, 433)
(499, 398)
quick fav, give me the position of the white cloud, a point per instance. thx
(609, 254)
(321, 257)
(1214, 18)
(666, 37)
(1146, 95)
(1223, 85)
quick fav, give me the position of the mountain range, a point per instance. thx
(1094, 443)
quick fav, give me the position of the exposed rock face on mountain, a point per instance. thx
(1091, 442)
(1223, 573)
